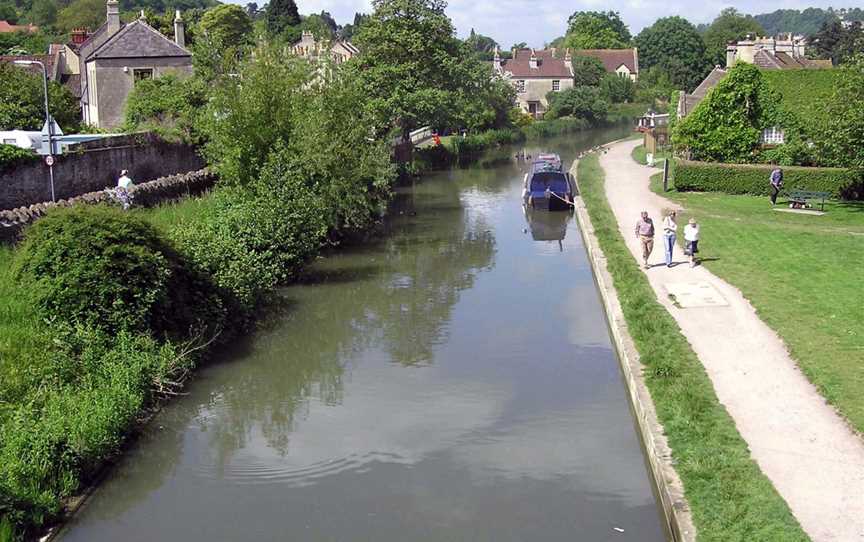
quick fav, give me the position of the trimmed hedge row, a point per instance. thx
(752, 179)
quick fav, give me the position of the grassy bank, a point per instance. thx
(640, 155)
(802, 273)
(730, 498)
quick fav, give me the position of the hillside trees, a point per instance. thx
(596, 30)
(673, 44)
(281, 14)
(839, 42)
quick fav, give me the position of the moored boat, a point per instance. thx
(547, 187)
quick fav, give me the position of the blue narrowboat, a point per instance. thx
(548, 188)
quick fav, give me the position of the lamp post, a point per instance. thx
(49, 122)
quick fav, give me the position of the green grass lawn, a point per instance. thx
(802, 273)
(641, 156)
(730, 498)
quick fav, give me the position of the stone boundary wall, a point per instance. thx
(144, 195)
(95, 165)
(670, 490)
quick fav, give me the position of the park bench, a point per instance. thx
(800, 199)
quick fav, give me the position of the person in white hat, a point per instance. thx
(124, 187)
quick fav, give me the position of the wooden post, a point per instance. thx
(666, 175)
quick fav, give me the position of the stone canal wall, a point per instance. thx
(668, 484)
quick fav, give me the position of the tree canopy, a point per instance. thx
(841, 141)
(596, 30)
(728, 26)
(674, 44)
(587, 71)
(22, 101)
(280, 15)
(228, 24)
(839, 42)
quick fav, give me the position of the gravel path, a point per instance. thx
(806, 449)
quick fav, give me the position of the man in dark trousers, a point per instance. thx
(776, 184)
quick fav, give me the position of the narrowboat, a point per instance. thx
(548, 188)
(550, 158)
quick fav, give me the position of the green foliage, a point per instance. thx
(103, 268)
(753, 179)
(281, 14)
(654, 86)
(43, 12)
(806, 22)
(249, 114)
(11, 155)
(587, 71)
(596, 30)
(483, 45)
(81, 14)
(674, 44)
(348, 31)
(839, 42)
(841, 131)
(22, 101)
(27, 43)
(9, 14)
(226, 25)
(618, 89)
(728, 26)
(168, 106)
(586, 103)
(727, 125)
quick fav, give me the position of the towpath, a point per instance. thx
(806, 449)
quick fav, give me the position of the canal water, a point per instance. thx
(453, 381)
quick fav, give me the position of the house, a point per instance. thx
(338, 50)
(624, 62)
(687, 103)
(784, 52)
(6, 28)
(534, 74)
(106, 64)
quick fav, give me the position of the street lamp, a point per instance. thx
(49, 122)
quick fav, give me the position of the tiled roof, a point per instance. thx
(137, 40)
(547, 65)
(689, 101)
(48, 60)
(783, 61)
(73, 83)
(6, 27)
(612, 59)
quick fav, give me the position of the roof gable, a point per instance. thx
(547, 65)
(137, 40)
(613, 59)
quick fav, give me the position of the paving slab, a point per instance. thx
(689, 295)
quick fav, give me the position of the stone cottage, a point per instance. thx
(534, 74)
(624, 62)
(107, 63)
(338, 50)
(783, 52)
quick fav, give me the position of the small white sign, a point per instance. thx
(49, 160)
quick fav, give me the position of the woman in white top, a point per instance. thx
(124, 187)
(691, 240)
(669, 230)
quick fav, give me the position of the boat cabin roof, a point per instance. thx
(545, 166)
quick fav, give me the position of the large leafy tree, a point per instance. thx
(412, 67)
(838, 41)
(674, 44)
(81, 14)
(280, 15)
(587, 71)
(480, 43)
(168, 106)
(228, 24)
(22, 101)
(841, 141)
(728, 26)
(580, 102)
(596, 30)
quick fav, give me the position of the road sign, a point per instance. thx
(49, 160)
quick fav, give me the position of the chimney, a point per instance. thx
(567, 56)
(554, 52)
(496, 60)
(142, 16)
(79, 35)
(179, 30)
(533, 60)
(113, 13)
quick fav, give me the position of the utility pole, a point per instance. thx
(49, 122)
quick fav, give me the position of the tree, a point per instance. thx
(841, 137)
(838, 41)
(654, 85)
(43, 12)
(618, 89)
(805, 22)
(350, 29)
(82, 14)
(480, 43)
(587, 71)
(596, 30)
(411, 65)
(317, 25)
(280, 15)
(166, 105)
(579, 102)
(8, 12)
(673, 44)
(22, 101)
(728, 26)
(227, 25)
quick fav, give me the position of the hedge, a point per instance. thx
(753, 179)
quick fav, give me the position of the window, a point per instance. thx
(556, 85)
(520, 86)
(142, 74)
(773, 136)
(9, 141)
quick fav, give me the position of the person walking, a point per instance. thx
(670, 229)
(691, 240)
(645, 234)
(124, 187)
(776, 180)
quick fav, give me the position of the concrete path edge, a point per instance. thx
(670, 489)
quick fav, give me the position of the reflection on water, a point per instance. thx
(454, 381)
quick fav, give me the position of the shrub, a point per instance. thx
(11, 155)
(586, 103)
(753, 179)
(167, 105)
(101, 267)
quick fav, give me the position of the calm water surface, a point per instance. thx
(453, 381)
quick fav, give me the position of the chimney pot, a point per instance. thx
(113, 16)
(179, 29)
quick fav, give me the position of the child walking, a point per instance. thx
(691, 240)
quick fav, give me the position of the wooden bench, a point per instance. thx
(800, 199)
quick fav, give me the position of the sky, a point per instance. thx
(537, 22)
